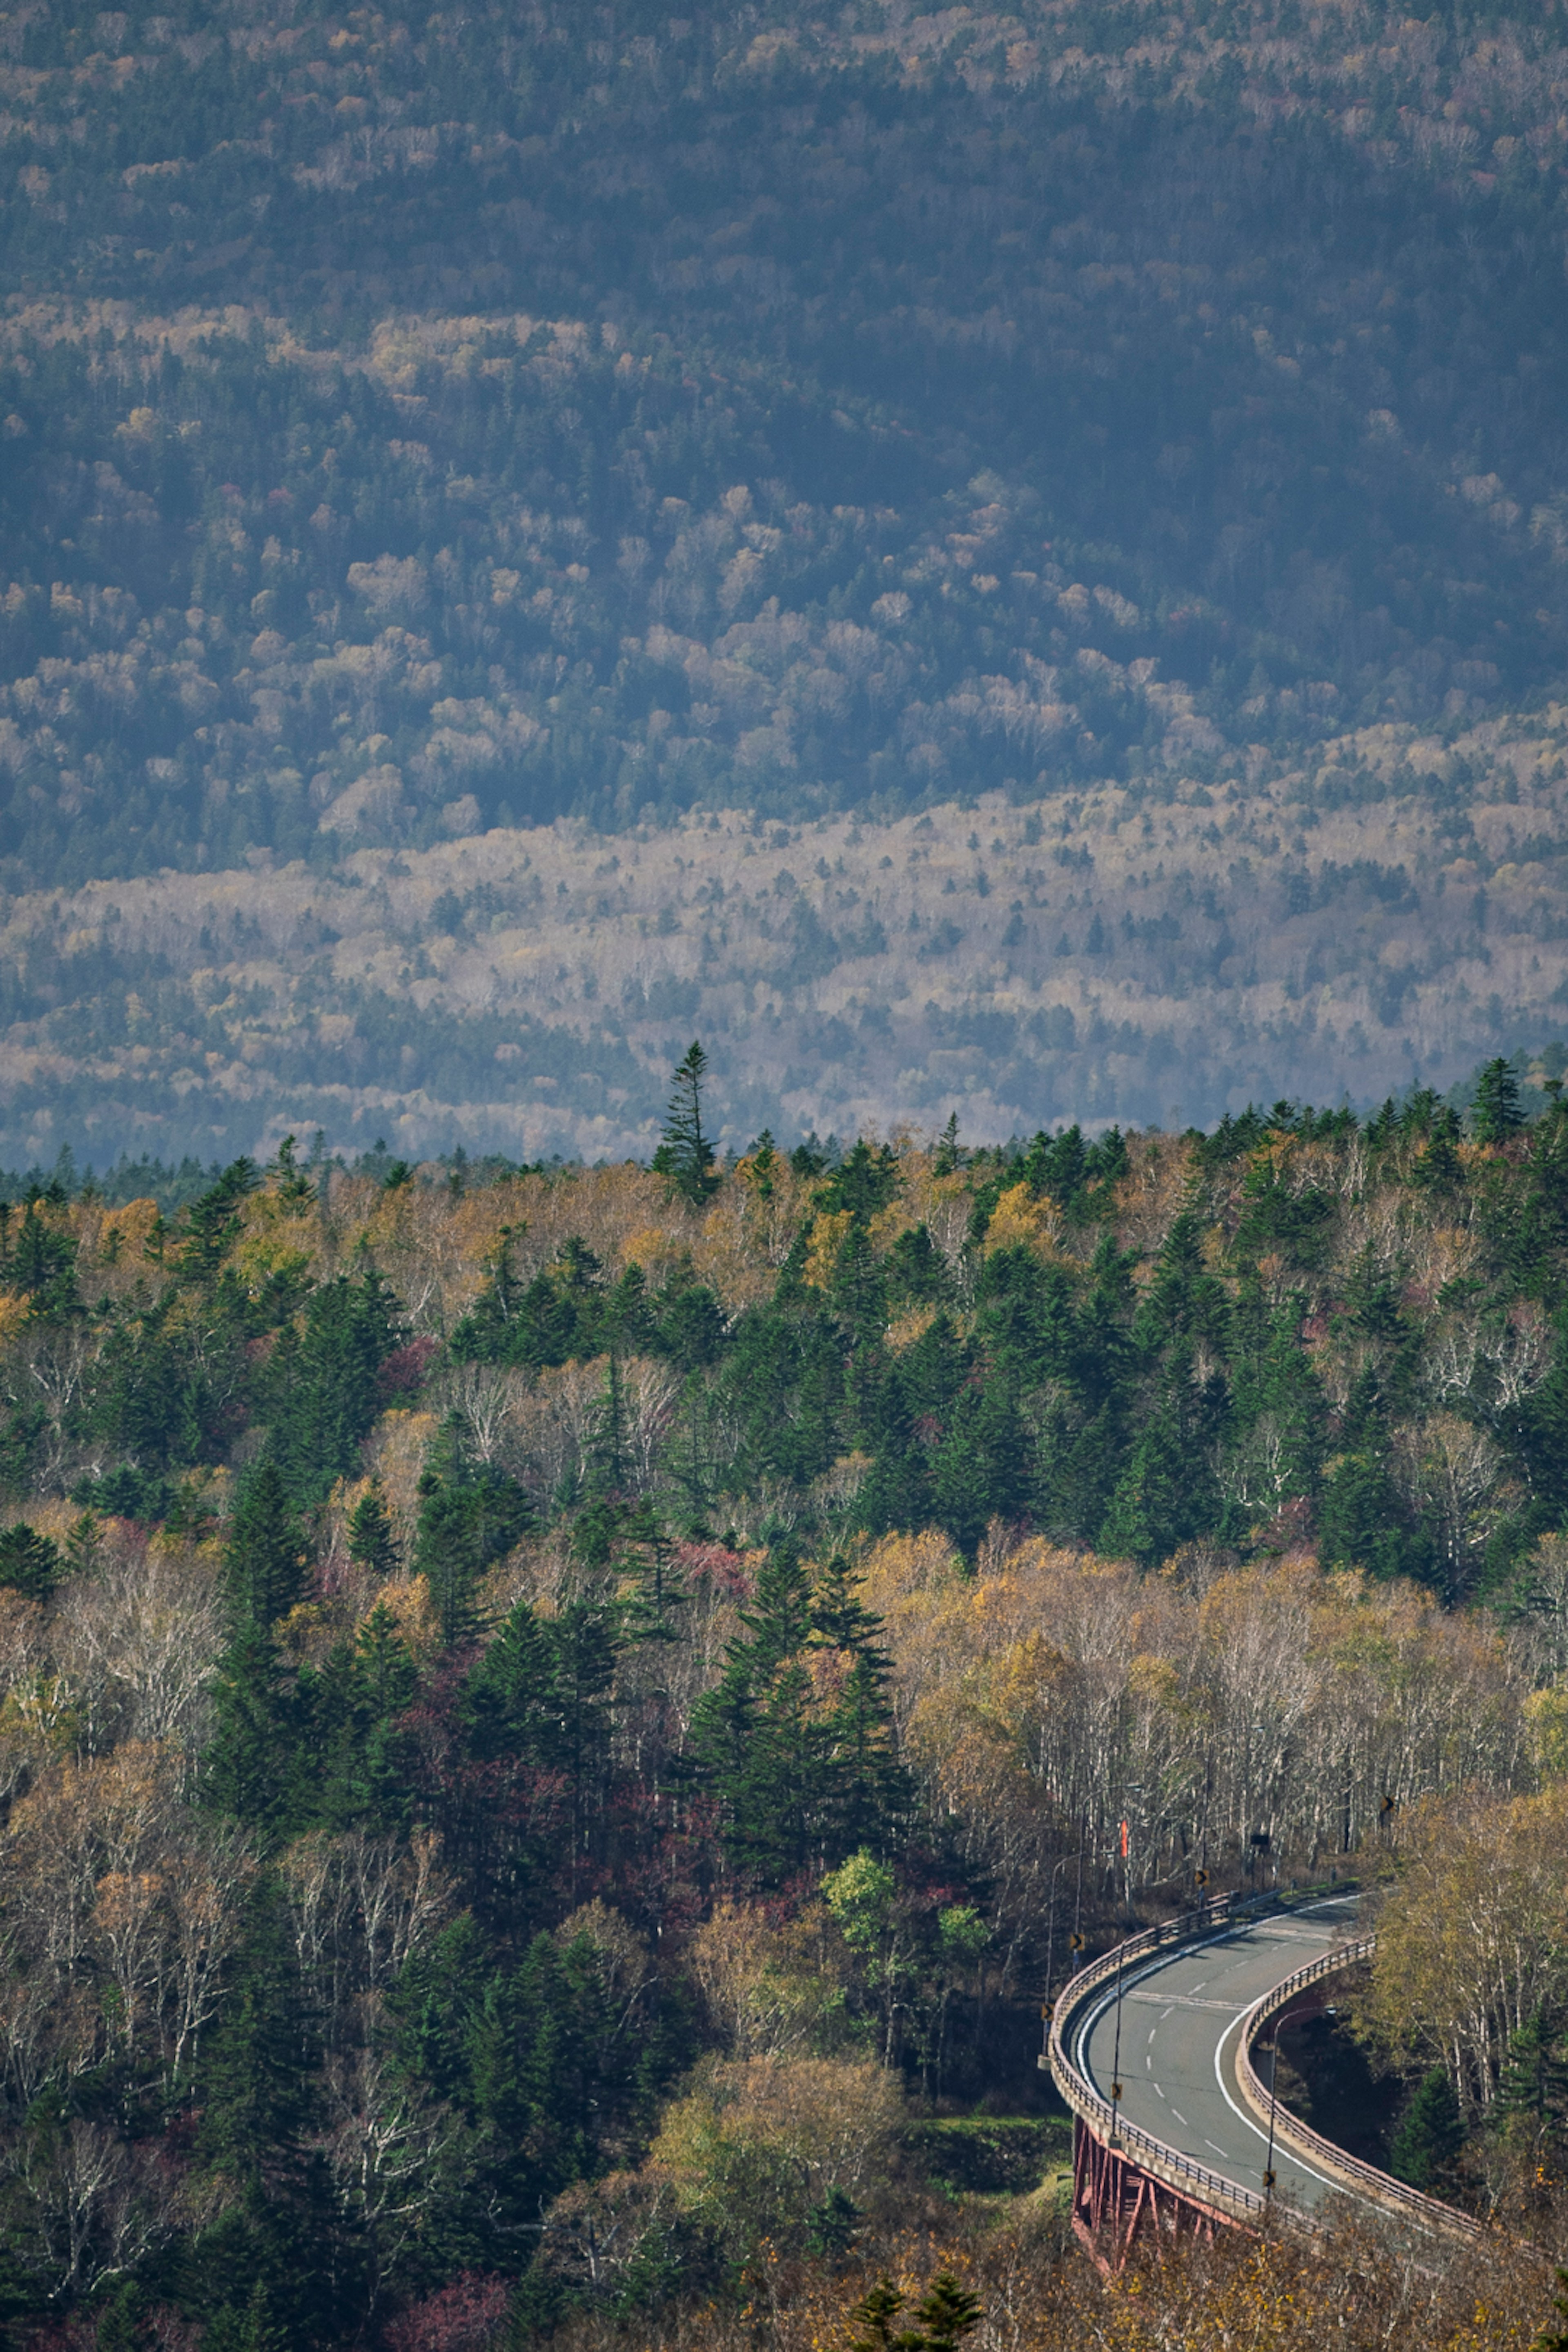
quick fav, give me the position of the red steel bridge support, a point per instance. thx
(1114, 2199)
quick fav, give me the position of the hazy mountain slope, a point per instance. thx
(1379, 918)
(413, 425)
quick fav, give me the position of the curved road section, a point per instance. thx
(1181, 2018)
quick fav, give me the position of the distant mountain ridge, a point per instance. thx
(417, 427)
(1381, 920)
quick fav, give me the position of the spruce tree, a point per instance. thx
(1532, 2090)
(325, 1398)
(273, 2261)
(1429, 2135)
(470, 1514)
(214, 1221)
(30, 1563)
(1167, 1493)
(686, 1155)
(264, 1560)
(508, 1702)
(489, 1332)
(654, 1594)
(354, 1773)
(763, 1166)
(294, 1186)
(245, 1769)
(1497, 1114)
(372, 1545)
(755, 1732)
(1363, 1521)
(583, 1640)
(1438, 1168)
(801, 1783)
(609, 1447)
(945, 2313)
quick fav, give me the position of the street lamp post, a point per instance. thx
(1273, 2102)
(1121, 1970)
(1116, 2057)
(1051, 1918)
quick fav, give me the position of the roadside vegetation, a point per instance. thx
(559, 1724)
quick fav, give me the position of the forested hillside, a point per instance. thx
(412, 426)
(557, 1724)
(524, 992)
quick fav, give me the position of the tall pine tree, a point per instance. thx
(685, 1155)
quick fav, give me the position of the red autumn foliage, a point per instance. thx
(465, 2317)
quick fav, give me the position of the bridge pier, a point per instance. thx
(1114, 2199)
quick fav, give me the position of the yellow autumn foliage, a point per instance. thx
(828, 1235)
(125, 1232)
(1022, 1220)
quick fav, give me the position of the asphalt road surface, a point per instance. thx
(1180, 2025)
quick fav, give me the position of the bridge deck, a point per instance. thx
(1180, 2024)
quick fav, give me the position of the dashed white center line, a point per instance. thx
(1179, 2116)
(1162, 2093)
(1217, 2148)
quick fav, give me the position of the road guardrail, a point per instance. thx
(1347, 2171)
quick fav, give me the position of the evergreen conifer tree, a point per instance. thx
(489, 1332)
(1166, 1493)
(763, 1166)
(470, 1514)
(508, 1706)
(30, 1563)
(686, 1155)
(372, 1545)
(294, 1186)
(1532, 2102)
(245, 1769)
(214, 1221)
(651, 1609)
(800, 1782)
(610, 1445)
(945, 2313)
(1497, 1114)
(583, 1640)
(323, 1383)
(257, 2096)
(264, 1562)
(1429, 2135)
(352, 1771)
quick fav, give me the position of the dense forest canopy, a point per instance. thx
(563, 1703)
(550, 1716)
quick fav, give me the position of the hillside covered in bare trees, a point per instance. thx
(524, 992)
(543, 433)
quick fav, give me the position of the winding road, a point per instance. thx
(1181, 2023)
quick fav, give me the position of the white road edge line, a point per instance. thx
(1149, 1967)
(1242, 2116)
